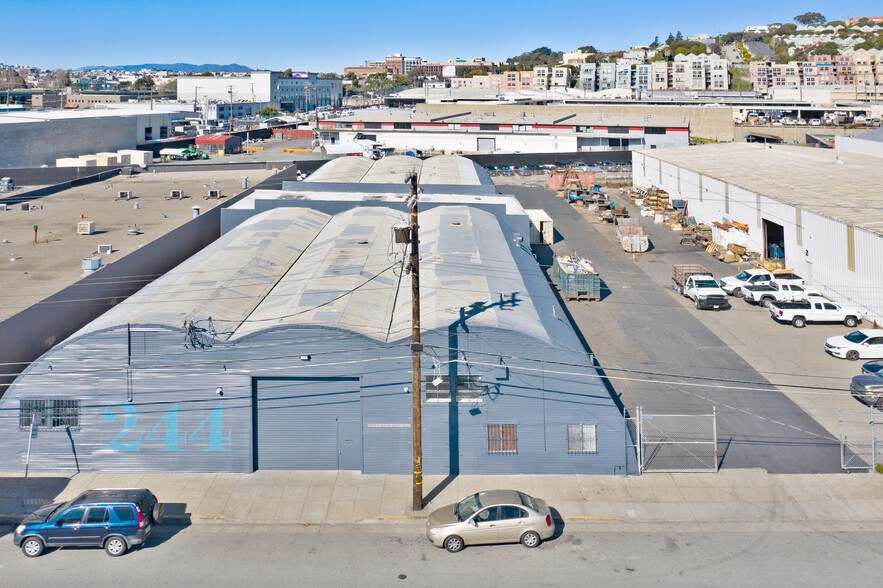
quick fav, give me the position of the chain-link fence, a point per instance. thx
(674, 442)
(860, 445)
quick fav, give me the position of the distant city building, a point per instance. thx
(869, 19)
(364, 71)
(860, 69)
(303, 90)
(759, 29)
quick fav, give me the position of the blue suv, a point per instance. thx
(113, 518)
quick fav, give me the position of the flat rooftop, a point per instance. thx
(811, 179)
(55, 261)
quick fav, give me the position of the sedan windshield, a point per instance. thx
(855, 337)
(467, 507)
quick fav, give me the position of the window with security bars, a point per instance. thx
(501, 439)
(438, 388)
(581, 439)
(54, 413)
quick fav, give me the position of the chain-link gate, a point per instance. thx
(675, 442)
(859, 447)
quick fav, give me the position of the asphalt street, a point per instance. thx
(398, 554)
(661, 357)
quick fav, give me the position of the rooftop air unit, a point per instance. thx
(124, 195)
(176, 194)
(214, 194)
(86, 227)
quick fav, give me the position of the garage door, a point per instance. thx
(307, 424)
(487, 145)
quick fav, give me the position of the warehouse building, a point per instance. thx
(35, 138)
(821, 209)
(286, 345)
(219, 144)
(519, 132)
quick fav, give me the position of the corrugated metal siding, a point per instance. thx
(175, 420)
(297, 421)
(540, 403)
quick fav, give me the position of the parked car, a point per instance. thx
(815, 122)
(873, 368)
(868, 390)
(814, 310)
(861, 344)
(492, 170)
(491, 516)
(113, 518)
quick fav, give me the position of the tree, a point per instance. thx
(145, 83)
(808, 18)
(378, 83)
(329, 75)
(682, 51)
(400, 80)
(57, 79)
(476, 72)
(829, 48)
(268, 111)
(587, 49)
(285, 73)
(10, 79)
(655, 42)
(207, 74)
(679, 36)
(170, 86)
(670, 39)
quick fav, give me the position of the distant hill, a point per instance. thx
(233, 67)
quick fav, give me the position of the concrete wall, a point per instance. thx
(32, 144)
(789, 133)
(859, 145)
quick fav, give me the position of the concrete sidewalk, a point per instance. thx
(739, 499)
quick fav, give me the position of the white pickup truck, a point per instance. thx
(814, 311)
(755, 277)
(775, 291)
(696, 283)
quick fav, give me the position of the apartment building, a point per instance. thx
(560, 77)
(861, 68)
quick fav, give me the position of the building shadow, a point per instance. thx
(439, 488)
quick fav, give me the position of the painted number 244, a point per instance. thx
(166, 430)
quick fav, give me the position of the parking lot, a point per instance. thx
(776, 392)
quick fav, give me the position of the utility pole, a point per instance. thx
(416, 350)
(230, 117)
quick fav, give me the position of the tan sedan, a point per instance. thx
(492, 516)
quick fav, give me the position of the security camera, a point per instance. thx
(220, 391)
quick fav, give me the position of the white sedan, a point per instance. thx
(861, 344)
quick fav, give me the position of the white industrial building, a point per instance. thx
(303, 90)
(491, 132)
(823, 208)
(35, 138)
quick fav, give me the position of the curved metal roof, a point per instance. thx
(296, 266)
(440, 169)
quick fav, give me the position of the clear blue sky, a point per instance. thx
(329, 35)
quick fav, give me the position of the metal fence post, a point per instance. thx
(842, 446)
(714, 426)
(640, 434)
(873, 440)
